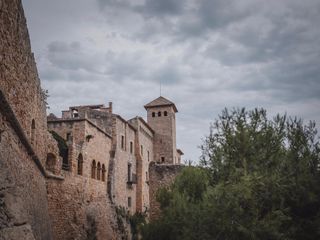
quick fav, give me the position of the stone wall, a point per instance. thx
(144, 156)
(122, 188)
(160, 176)
(19, 77)
(80, 209)
(23, 199)
(165, 133)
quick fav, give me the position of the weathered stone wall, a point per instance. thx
(160, 176)
(80, 209)
(122, 189)
(144, 156)
(165, 133)
(19, 78)
(23, 200)
(79, 205)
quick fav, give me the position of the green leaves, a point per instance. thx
(259, 180)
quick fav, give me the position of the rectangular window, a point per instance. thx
(69, 137)
(122, 142)
(131, 147)
(148, 156)
(129, 173)
(147, 177)
(162, 159)
(141, 150)
(129, 201)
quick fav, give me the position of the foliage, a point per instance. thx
(44, 93)
(259, 179)
(137, 221)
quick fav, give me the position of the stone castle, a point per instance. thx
(67, 177)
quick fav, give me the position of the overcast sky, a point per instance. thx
(209, 54)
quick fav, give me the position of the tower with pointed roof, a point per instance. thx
(161, 118)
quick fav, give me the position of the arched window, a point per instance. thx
(103, 176)
(153, 114)
(98, 171)
(93, 169)
(159, 114)
(33, 130)
(165, 113)
(80, 164)
(51, 162)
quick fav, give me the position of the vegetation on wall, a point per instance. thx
(258, 179)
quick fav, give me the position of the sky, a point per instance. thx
(207, 54)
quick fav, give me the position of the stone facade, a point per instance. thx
(23, 135)
(67, 184)
(161, 175)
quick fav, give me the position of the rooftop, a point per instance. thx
(161, 102)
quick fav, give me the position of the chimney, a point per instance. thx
(110, 107)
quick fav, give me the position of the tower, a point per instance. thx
(161, 118)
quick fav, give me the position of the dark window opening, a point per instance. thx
(122, 142)
(75, 113)
(141, 150)
(129, 201)
(69, 137)
(129, 173)
(162, 159)
(148, 156)
(33, 130)
(159, 114)
(153, 114)
(165, 113)
(98, 171)
(80, 164)
(93, 169)
(103, 177)
(131, 147)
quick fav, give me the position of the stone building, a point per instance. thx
(128, 147)
(64, 178)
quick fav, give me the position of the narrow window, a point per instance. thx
(141, 150)
(165, 113)
(131, 147)
(93, 169)
(129, 201)
(122, 142)
(147, 177)
(162, 159)
(159, 114)
(103, 177)
(148, 156)
(129, 173)
(80, 164)
(69, 137)
(98, 171)
(33, 130)
(153, 114)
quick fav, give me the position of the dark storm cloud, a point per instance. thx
(208, 54)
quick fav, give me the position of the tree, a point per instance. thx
(261, 180)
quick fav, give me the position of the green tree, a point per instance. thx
(259, 180)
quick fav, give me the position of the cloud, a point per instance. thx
(208, 54)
